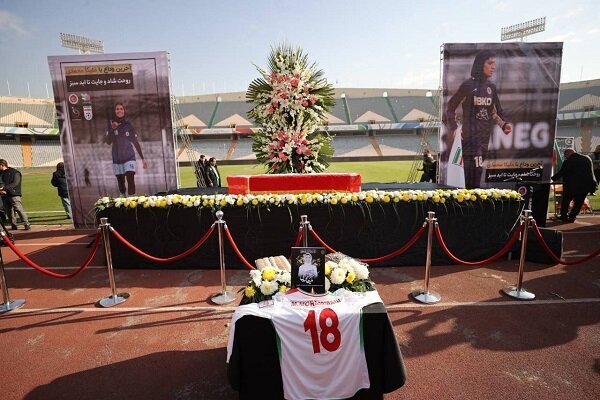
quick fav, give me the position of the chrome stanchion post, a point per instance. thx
(7, 304)
(517, 291)
(425, 295)
(224, 296)
(304, 224)
(115, 298)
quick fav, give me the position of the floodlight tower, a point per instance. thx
(522, 30)
(82, 44)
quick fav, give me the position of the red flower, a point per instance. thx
(275, 104)
(305, 103)
(294, 82)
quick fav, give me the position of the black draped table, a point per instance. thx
(254, 370)
(471, 230)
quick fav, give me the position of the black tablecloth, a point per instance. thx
(472, 230)
(254, 370)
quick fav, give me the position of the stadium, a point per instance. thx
(369, 125)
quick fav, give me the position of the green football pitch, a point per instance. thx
(43, 206)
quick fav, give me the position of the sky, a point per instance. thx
(216, 45)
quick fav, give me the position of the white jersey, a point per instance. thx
(320, 342)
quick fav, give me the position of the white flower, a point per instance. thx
(338, 276)
(361, 271)
(284, 277)
(256, 276)
(268, 288)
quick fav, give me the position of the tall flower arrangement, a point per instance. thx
(290, 101)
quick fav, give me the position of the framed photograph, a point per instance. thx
(308, 269)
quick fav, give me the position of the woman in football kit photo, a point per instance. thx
(480, 111)
(123, 138)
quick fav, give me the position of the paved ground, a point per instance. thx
(168, 341)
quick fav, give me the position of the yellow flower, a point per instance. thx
(386, 199)
(354, 197)
(396, 199)
(483, 196)
(435, 198)
(268, 274)
(254, 202)
(420, 197)
(146, 205)
(239, 202)
(334, 201)
(442, 200)
(473, 197)
(369, 199)
(249, 291)
(283, 288)
(405, 197)
(204, 203)
(133, 204)
(303, 201)
(175, 200)
(327, 269)
(495, 195)
(460, 198)
(223, 203)
(350, 277)
(344, 200)
(211, 202)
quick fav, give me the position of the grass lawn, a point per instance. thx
(43, 206)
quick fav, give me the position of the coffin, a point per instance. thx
(293, 183)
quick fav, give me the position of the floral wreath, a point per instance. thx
(290, 102)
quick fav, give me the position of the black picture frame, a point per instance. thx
(308, 269)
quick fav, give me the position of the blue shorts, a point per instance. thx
(120, 169)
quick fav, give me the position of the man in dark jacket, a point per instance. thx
(212, 173)
(11, 195)
(59, 181)
(578, 180)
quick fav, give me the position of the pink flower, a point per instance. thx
(282, 156)
(305, 103)
(294, 82)
(313, 100)
(275, 104)
(271, 110)
(271, 156)
(284, 95)
(308, 152)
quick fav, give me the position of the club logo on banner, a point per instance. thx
(499, 113)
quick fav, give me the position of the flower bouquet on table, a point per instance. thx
(271, 277)
(342, 271)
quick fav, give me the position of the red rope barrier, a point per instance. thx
(553, 256)
(321, 242)
(499, 254)
(375, 260)
(45, 271)
(298, 238)
(401, 250)
(168, 259)
(237, 251)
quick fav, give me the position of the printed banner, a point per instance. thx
(502, 99)
(114, 115)
(560, 145)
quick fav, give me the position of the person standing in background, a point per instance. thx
(11, 195)
(200, 172)
(578, 180)
(123, 138)
(59, 181)
(212, 173)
